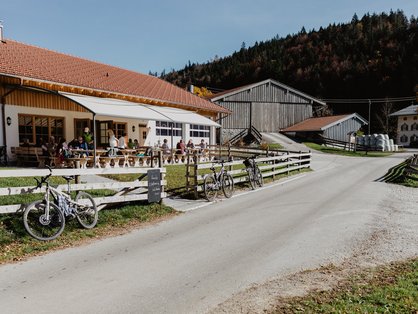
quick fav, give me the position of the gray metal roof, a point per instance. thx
(408, 111)
(237, 90)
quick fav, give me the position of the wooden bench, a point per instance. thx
(29, 156)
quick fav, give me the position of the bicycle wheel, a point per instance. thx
(251, 178)
(227, 185)
(38, 226)
(210, 187)
(258, 177)
(87, 214)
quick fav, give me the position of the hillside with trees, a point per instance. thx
(372, 57)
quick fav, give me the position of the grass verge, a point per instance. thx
(16, 244)
(338, 151)
(391, 288)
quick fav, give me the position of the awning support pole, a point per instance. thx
(94, 140)
(172, 139)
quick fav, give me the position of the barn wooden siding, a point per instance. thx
(340, 131)
(269, 107)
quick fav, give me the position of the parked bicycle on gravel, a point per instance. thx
(254, 173)
(45, 219)
(216, 181)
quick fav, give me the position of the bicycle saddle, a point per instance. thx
(68, 178)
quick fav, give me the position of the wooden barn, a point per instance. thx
(266, 106)
(334, 127)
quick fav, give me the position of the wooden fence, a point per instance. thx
(411, 168)
(270, 162)
(124, 191)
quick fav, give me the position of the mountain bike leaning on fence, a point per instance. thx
(215, 181)
(254, 173)
(45, 219)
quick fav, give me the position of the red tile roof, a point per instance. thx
(314, 124)
(21, 60)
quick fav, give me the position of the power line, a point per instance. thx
(369, 100)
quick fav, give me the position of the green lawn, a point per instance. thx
(16, 244)
(338, 151)
(387, 289)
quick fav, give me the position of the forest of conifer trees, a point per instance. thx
(372, 57)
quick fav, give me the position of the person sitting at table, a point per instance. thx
(122, 141)
(202, 145)
(136, 144)
(82, 145)
(41, 143)
(62, 150)
(113, 143)
(165, 148)
(51, 146)
(131, 144)
(190, 145)
(72, 144)
(180, 148)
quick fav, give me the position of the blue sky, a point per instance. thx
(162, 34)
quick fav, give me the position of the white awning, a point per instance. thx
(125, 109)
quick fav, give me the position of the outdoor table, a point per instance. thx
(78, 162)
(99, 153)
(126, 154)
(109, 160)
(134, 160)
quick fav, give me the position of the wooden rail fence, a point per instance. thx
(124, 191)
(411, 168)
(270, 162)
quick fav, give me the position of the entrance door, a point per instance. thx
(102, 128)
(143, 133)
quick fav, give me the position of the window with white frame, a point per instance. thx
(404, 127)
(404, 138)
(414, 127)
(163, 128)
(199, 130)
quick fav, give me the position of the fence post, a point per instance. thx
(160, 159)
(187, 172)
(152, 159)
(300, 162)
(195, 174)
(287, 166)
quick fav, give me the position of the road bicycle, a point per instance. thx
(216, 181)
(254, 173)
(45, 219)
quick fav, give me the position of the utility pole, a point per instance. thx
(370, 122)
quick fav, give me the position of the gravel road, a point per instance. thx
(232, 256)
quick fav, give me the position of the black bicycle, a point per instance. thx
(216, 181)
(254, 173)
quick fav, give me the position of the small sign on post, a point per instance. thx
(154, 185)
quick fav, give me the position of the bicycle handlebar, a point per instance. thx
(43, 179)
